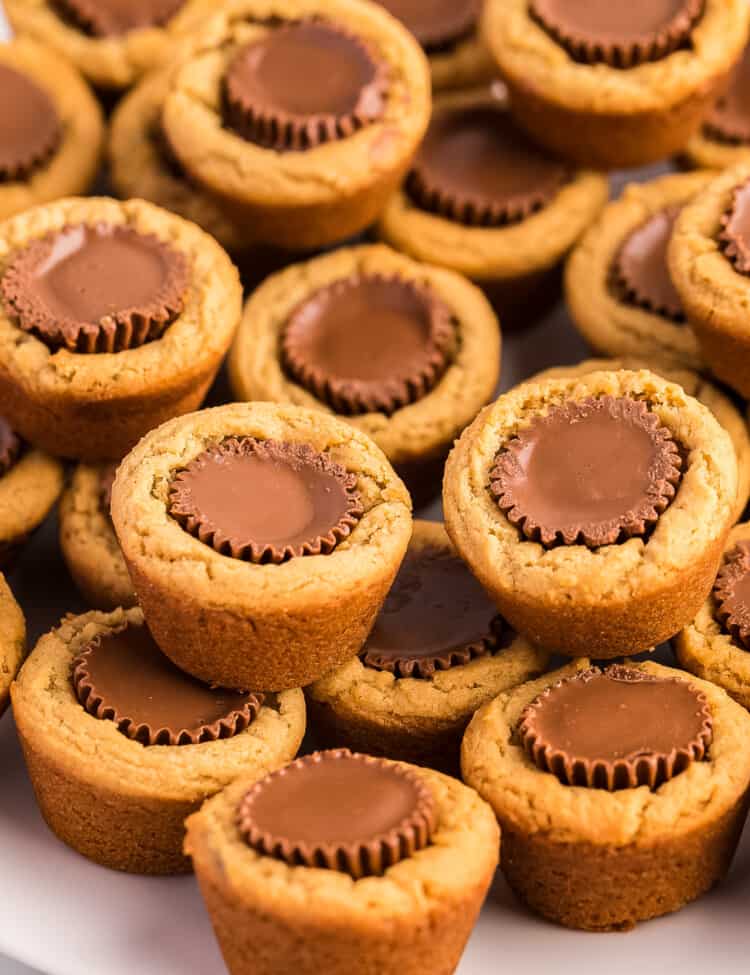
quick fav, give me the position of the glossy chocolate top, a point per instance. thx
(30, 128)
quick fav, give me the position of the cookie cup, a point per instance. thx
(299, 199)
(466, 64)
(114, 800)
(611, 118)
(610, 324)
(713, 293)
(617, 599)
(12, 641)
(96, 406)
(73, 166)
(706, 649)
(89, 544)
(270, 918)
(28, 492)
(236, 623)
(598, 860)
(704, 152)
(416, 438)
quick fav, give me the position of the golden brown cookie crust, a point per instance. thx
(113, 799)
(111, 62)
(713, 293)
(694, 385)
(28, 492)
(608, 116)
(703, 152)
(74, 165)
(89, 544)
(638, 833)
(241, 624)
(414, 919)
(416, 719)
(465, 65)
(421, 431)
(612, 326)
(707, 650)
(618, 599)
(291, 199)
(12, 641)
(96, 406)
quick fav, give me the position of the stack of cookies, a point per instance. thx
(392, 184)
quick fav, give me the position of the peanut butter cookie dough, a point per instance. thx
(724, 138)
(304, 164)
(261, 541)
(614, 85)
(594, 510)
(88, 541)
(378, 868)
(621, 818)
(709, 261)
(51, 128)
(121, 746)
(437, 652)
(715, 646)
(617, 283)
(111, 42)
(694, 385)
(405, 352)
(481, 199)
(85, 372)
(12, 641)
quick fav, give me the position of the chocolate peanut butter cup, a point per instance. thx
(94, 289)
(734, 239)
(640, 269)
(729, 120)
(265, 500)
(593, 472)
(339, 810)
(10, 446)
(477, 168)
(619, 35)
(438, 25)
(124, 677)
(435, 617)
(113, 18)
(30, 128)
(369, 343)
(732, 594)
(303, 84)
(618, 728)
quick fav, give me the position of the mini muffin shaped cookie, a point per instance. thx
(483, 200)
(343, 862)
(121, 746)
(617, 282)
(593, 510)
(113, 318)
(403, 351)
(261, 541)
(716, 644)
(437, 652)
(12, 641)
(724, 139)
(51, 128)
(709, 261)
(614, 85)
(628, 812)
(300, 116)
(88, 541)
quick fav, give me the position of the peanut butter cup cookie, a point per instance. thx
(343, 862)
(628, 812)
(300, 116)
(437, 652)
(709, 262)
(88, 541)
(724, 138)
(594, 510)
(614, 85)
(113, 318)
(121, 746)
(405, 352)
(483, 200)
(716, 645)
(51, 128)
(261, 541)
(617, 282)
(12, 641)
